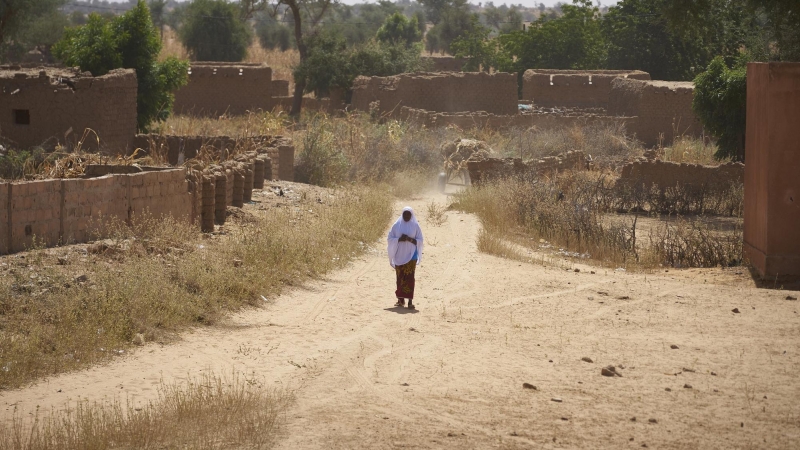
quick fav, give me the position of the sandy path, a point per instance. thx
(451, 374)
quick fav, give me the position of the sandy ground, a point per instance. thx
(368, 375)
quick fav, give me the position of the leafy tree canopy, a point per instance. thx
(212, 30)
(128, 41)
(398, 29)
(720, 98)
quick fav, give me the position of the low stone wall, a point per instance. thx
(177, 149)
(664, 175)
(499, 168)
(492, 121)
(280, 88)
(66, 211)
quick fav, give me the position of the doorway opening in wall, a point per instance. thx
(22, 116)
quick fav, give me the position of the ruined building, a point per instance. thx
(439, 92)
(573, 88)
(59, 105)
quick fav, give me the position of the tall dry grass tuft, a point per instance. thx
(209, 412)
(158, 277)
(691, 150)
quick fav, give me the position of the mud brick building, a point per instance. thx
(216, 88)
(439, 92)
(41, 104)
(573, 88)
(664, 108)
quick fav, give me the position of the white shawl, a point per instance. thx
(401, 252)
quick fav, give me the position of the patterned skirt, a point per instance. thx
(405, 280)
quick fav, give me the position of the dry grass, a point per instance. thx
(157, 277)
(209, 412)
(691, 150)
(531, 211)
(436, 214)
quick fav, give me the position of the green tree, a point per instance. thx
(572, 41)
(158, 14)
(128, 41)
(273, 34)
(455, 20)
(212, 30)
(398, 29)
(476, 46)
(720, 102)
(640, 38)
(16, 14)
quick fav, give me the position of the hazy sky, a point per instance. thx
(497, 2)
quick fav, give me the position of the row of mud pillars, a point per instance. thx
(231, 183)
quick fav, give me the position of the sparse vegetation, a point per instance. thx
(213, 412)
(62, 310)
(571, 211)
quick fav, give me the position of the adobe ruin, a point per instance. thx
(439, 92)
(60, 104)
(663, 108)
(573, 88)
(217, 88)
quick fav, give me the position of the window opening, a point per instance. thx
(22, 116)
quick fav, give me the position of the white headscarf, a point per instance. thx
(401, 252)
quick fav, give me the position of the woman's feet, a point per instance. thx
(411, 305)
(401, 302)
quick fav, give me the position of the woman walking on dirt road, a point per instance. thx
(405, 252)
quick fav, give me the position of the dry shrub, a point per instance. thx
(691, 150)
(436, 214)
(209, 412)
(568, 210)
(563, 210)
(607, 143)
(159, 277)
(680, 199)
(695, 244)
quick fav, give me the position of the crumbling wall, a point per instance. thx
(497, 122)
(65, 211)
(441, 92)
(217, 88)
(488, 169)
(664, 108)
(665, 175)
(177, 149)
(53, 104)
(445, 63)
(573, 88)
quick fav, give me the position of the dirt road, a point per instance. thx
(367, 375)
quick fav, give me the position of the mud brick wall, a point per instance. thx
(52, 212)
(183, 148)
(664, 108)
(43, 104)
(280, 88)
(666, 175)
(499, 168)
(216, 88)
(445, 63)
(284, 103)
(772, 175)
(498, 122)
(440, 92)
(573, 88)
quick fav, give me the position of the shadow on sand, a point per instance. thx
(401, 310)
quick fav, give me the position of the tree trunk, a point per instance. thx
(299, 85)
